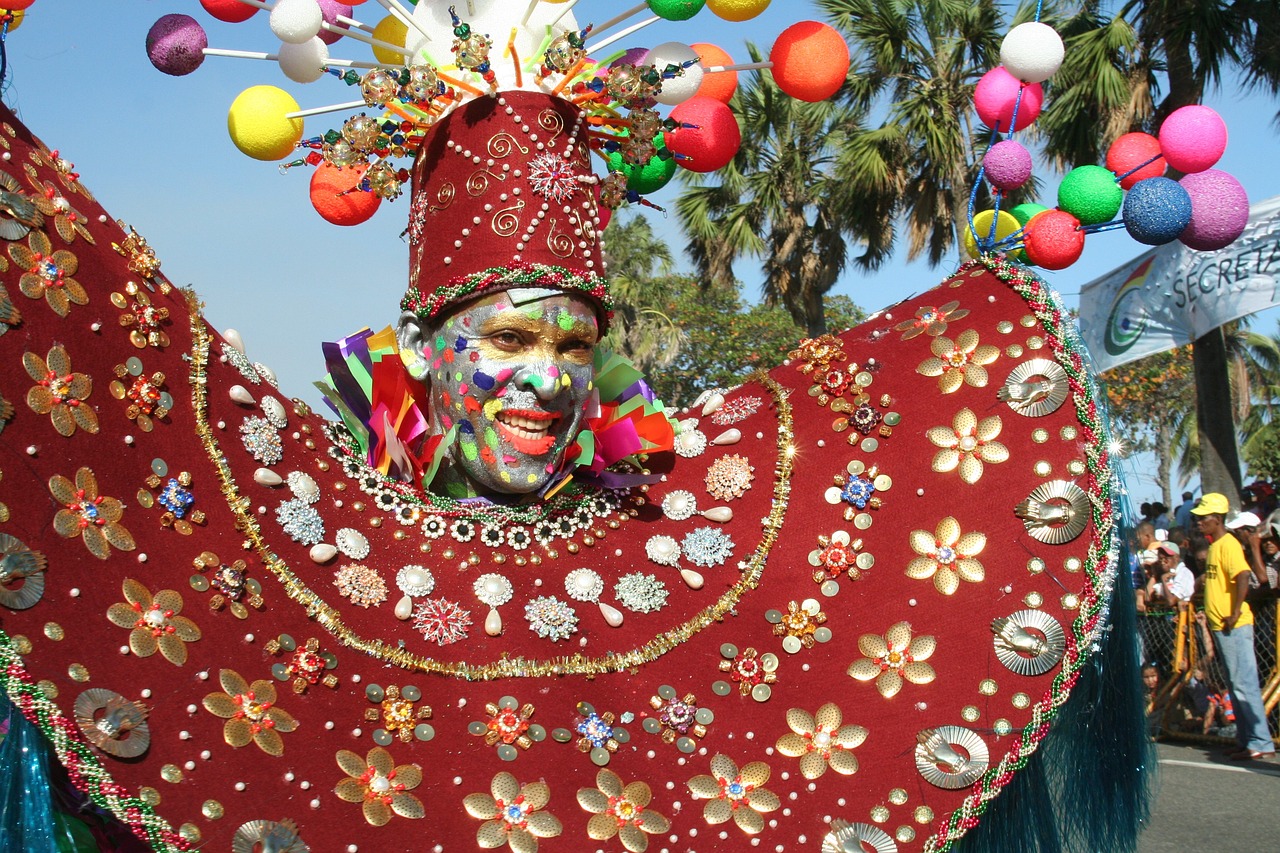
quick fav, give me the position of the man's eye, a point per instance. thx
(506, 340)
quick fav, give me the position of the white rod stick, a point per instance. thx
(405, 16)
(332, 108)
(259, 3)
(742, 66)
(568, 7)
(352, 22)
(471, 8)
(367, 39)
(528, 13)
(238, 54)
(620, 36)
(351, 63)
(618, 19)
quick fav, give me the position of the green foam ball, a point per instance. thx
(1090, 194)
(676, 10)
(652, 176)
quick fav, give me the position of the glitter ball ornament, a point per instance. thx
(175, 44)
(1007, 165)
(1193, 138)
(1032, 52)
(810, 61)
(1053, 240)
(996, 95)
(1090, 194)
(1156, 211)
(1129, 152)
(1219, 210)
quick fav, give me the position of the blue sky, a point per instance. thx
(154, 149)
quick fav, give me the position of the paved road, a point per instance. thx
(1205, 802)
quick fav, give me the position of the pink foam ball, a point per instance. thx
(1007, 165)
(1219, 210)
(175, 44)
(1131, 149)
(712, 141)
(1193, 138)
(997, 93)
(330, 10)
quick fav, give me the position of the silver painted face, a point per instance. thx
(514, 371)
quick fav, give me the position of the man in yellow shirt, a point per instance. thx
(1226, 583)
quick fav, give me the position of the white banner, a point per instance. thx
(1172, 295)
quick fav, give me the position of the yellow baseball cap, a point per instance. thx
(1214, 502)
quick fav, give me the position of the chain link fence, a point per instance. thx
(1187, 701)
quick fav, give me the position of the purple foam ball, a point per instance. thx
(330, 10)
(1156, 211)
(176, 43)
(1219, 210)
(1007, 165)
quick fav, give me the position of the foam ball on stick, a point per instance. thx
(996, 95)
(1053, 240)
(331, 9)
(650, 177)
(1193, 138)
(1024, 213)
(1131, 150)
(257, 123)
(392, 31)
(1032, 52)
(1007, 165)
(1156, 211)
(810, 61)
(175, 44)
(17, 5)
(18, 17)
(229, 11)
(295, 21)
(1090, 194)
(303, 63)
(336, 199)
(713, 138)
(1006, 224)
(1219, 210)
(676, 10)
(718, 84)
(676, 90)
(737, 10)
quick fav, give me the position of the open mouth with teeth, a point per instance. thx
(527, 430)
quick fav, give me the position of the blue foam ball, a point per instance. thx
(1156, 211)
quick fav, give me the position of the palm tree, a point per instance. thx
(636, 258)
(781, 199)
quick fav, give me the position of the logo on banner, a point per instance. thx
(1128, 317)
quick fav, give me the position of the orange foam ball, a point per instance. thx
(721, 84)
(335, 198)
(810, 61)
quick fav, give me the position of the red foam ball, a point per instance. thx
(810, 61)
(996, 95)
(1052, 240)
(712, 141)
(1130, 150)
(231, 11)
(17, 5)
(719, 84)
(335, 198)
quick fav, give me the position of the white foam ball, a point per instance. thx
(303, 63)
(677, 90)
(296, 21)
(1032, 52)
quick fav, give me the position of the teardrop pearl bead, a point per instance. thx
(232, 337)
(729, 436)
(721, 514)
(612, 615)
(691, 578)
(267, 477)
(404, 608)
(714, 402)
(493, 623)
(323, 553)
(241, 395)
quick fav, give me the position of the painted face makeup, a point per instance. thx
(514, 371)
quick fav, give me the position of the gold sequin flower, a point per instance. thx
(966, 444)
(957, 362)
(621, 811)
(60, 393)
(514, 815)
(931, 321)
(947, 556)
(733, 794)
(250, 712)
(821, 740)
(154, 622)
(894, 657)
(801, 621)
(381, 785)
(93, 517)
(48, 273)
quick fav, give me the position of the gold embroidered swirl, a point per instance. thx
(444, 197)
(552, 121)
(506, 221)
(560, 243)
(478, 183)
(502, 143)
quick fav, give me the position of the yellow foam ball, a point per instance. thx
(257, 123)
(392, 31)
(737, 10)
(1005, 225)
(18, 16)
